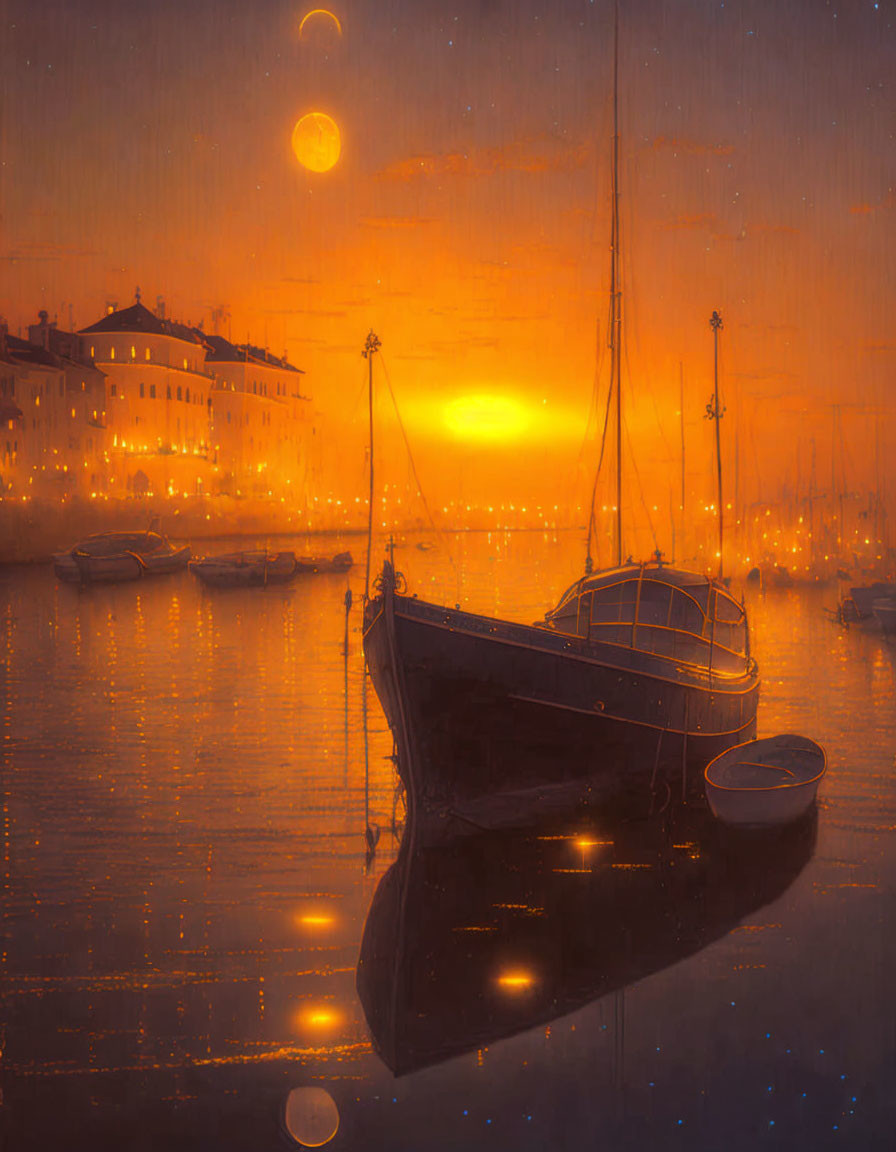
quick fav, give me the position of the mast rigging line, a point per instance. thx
(407, 445)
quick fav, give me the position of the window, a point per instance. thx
(147, 353)
(73, 413)
(92, 351)
(61, 387)
(133, 352)
(168, 392)
(113, 389)
(188, 395)
(180, 395)
(142, 390)
(112, 352)
(152, 391)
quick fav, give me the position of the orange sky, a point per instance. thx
(467, 218)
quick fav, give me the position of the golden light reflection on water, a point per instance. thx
(184, 828)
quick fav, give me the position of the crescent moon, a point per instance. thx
(320, 12)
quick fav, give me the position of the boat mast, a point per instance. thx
(714, 412)
(681, 427)
(371, 345)
(615, 327)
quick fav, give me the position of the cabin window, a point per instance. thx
(615, 604)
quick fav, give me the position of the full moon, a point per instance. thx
(316, 142)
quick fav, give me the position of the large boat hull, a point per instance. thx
(493, 718)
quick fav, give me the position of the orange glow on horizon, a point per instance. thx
(486, 418)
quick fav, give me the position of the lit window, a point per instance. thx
(147, 353)
(73, 413)
(92, 351)
(112, 353)
(133, 352)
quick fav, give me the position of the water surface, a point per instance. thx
(186, 887)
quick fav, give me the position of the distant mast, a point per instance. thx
(714, 412)
(371, 346)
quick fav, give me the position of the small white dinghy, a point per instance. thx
(765, 782)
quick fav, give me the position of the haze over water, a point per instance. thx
(185, 893)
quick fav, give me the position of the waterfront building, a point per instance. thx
(260, 420)
(52, 408)
(158, 399)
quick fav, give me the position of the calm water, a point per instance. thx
(186, 890)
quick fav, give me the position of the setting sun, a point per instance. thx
(485, 417)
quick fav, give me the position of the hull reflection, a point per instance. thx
(476, 940)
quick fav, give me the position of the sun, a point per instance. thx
(486, 418)
(316, 142)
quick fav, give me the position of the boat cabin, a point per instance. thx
(650, 608)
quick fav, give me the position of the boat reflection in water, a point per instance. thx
(475, 940)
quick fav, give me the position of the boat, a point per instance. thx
(471, 942)
(884, 612)
(860, 601)
(252, 569)
(311, 565)
(112, 557)
(639, 676)
(763, 782)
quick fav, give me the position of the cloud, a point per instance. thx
(690, 147)
(888, 200)
(689, 221)
(39, 250)
(396, 221)
(523, 156)
(881, 346)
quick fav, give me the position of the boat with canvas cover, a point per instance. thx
(251, 569)
(113, 557)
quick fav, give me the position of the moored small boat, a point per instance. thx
(309, 565)
(113, 557)
(884, 612)
(763, 782)
(255, 569)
